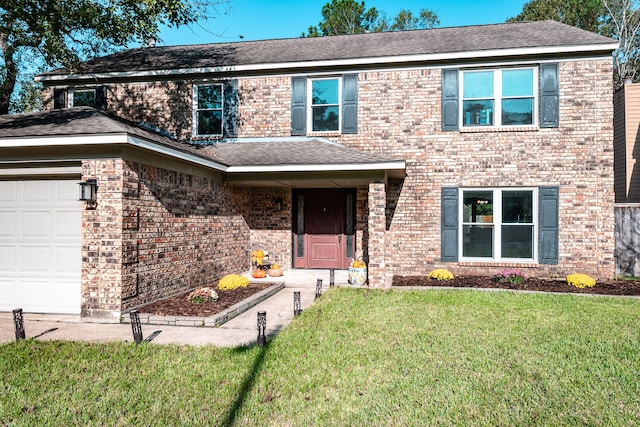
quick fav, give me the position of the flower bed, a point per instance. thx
(609, 287)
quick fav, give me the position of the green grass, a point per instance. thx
(356, 357)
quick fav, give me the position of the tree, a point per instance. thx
(352, 17)
(624, 22)
(405, 21)
(619, 19)
(63, 33)
(344, 17)
(585, 14)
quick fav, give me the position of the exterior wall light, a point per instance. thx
(278, 203)
(89, 192)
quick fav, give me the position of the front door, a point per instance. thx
(324, 228)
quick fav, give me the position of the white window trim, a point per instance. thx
(310, 81)
(195, 109)
(497, 226)
(70, 93)
(497, 98)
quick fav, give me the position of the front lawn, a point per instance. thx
(357, 357)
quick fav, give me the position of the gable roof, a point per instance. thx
(403, 46)
(86, 126)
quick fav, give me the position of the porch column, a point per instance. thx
(377, 201)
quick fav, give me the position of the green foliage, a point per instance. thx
(391, 358)
(585, 14)
(353, 17)
(66, 32)
(27, 98)
(618, 19)
(405, 21)
(513, 275)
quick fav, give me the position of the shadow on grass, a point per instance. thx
(248, 383)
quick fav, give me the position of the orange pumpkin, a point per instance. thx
(259, 274)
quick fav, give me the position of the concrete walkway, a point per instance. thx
(240, 330)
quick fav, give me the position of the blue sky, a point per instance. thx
(269, 19)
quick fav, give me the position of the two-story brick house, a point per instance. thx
(471, 148)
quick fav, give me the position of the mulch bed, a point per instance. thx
(179, 305)
(609, 287)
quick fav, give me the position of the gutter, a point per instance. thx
(108, 139)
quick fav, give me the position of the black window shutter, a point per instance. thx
(59, 98)
(548, 224)
(101, 98)
(549, 96)
(450, 100)
(299, 106)
(230, 115)
(350, 103)
(449, 225)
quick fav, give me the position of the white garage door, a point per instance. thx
(40, 241)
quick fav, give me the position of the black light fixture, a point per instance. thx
(278, 203)
(297, 310)
(89, 192)
(262, 327)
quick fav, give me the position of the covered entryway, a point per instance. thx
(40, 241)
(324, 228)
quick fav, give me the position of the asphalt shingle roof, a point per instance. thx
(79, 121)
(516, 35)
(272, 152)
(287, 151)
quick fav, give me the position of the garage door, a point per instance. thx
(40, 241)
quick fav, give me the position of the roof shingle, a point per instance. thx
(516, 35)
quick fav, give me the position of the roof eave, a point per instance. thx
(390, 165)
(110, 138)
(448, 56)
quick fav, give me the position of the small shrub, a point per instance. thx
(441, 274)
(202, 295)
(581, 280)
(232, 281)
(514, 276)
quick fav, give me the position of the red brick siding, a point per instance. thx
(158, 232)
(399, 115)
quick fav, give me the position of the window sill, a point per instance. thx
(499, 264)
(324, 134)
(500, 129)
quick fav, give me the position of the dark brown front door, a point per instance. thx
(323, 227)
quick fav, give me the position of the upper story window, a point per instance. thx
(215, 109)
(82, 98)
(501, 97)
(324, 101)
(504, 97)
(208, 111)
(324, 104)
(95, 97)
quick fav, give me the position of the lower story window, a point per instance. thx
(498, 224)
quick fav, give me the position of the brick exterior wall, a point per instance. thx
(399, 115)
(157, 232)
(270, 227)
